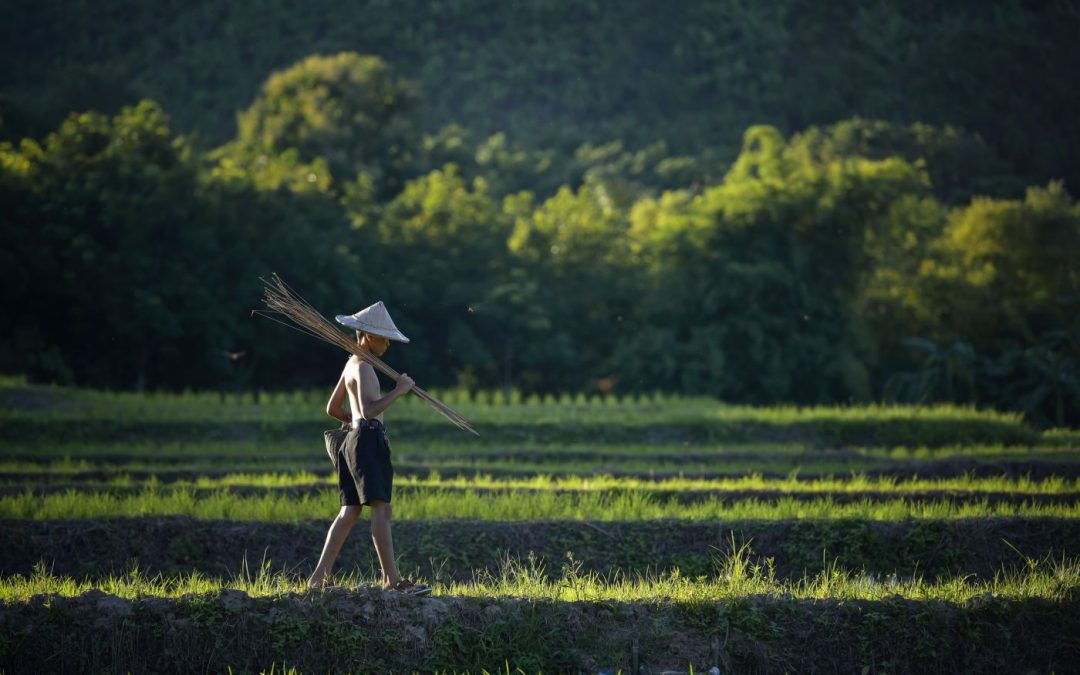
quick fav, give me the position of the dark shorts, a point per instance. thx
(365, 473)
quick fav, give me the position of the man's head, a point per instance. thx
(376, 344)
(373, 322)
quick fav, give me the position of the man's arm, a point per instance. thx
(371, 407)
(335, 407)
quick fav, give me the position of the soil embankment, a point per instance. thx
(374, 631)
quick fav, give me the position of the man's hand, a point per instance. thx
(404, 384)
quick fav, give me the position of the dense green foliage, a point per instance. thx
(618, 239)
(559, 73)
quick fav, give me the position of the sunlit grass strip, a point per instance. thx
(503, 506)
(168, 451)
(851, 484)
(735, 577)
(973, 451)
(410, 462)
(87, 404)
(486, 407)
(675, 409)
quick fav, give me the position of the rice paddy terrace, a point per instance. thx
(173, 533)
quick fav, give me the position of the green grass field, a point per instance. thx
(724, 521)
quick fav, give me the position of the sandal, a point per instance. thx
(409, 588)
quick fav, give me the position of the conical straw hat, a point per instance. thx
(375, 320)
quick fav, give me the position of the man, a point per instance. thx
(365, 474)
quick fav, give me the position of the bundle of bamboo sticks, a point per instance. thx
(282, 300)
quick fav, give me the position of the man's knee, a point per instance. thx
(380, 510)
(349, 514)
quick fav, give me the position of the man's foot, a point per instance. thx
(323, 584)
(409, 588)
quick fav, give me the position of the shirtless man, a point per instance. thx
(365, 473)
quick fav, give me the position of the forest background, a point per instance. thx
(789, 201)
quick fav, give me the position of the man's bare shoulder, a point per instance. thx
(364, 372)
(352, 367)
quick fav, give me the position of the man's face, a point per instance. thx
(376, 344)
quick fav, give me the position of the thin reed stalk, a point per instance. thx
(282, 300)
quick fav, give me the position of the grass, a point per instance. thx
(735, 576)
(638, 487)
(35, 407)
(487, 407)
(863, 561)
(186, 462)
(474, 504)
(755, 482)
(853, 483)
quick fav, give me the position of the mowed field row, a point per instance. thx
(855, 483)
(963, 548)
(501, 505)
(112, 462)
(125, 498)
(49, 415)
(737, 577)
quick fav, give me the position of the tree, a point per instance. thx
(995, 278)
(752, 284)
(574, 245)
(1004, 271)
(130, 268)
(959, 164)
(349, 110)
(109, 227)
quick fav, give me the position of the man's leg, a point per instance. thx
(339, 529)
(384, 543)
